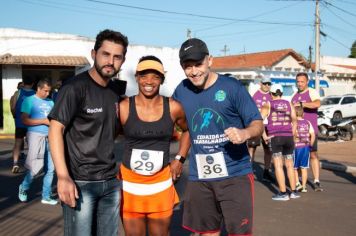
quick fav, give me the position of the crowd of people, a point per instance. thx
(221, 124)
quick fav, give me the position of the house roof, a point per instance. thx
(346, 66)
(9, 59)
(255, 60)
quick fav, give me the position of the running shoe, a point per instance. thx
(280, 197)
(317, 187)
(304, 190)
(22, 194)
(15, 168)
(294, 195)
(49, 201)
(298, 187)
(267, 177)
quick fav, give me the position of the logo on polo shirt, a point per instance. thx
(94, 110)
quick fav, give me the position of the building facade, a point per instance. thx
(60, 56)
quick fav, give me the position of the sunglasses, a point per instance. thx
(267, 83)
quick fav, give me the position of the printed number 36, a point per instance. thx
(212, 168)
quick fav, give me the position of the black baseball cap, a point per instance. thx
(193, 49)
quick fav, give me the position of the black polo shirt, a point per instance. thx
(89, 113)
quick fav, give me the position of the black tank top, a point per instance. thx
(154, 135)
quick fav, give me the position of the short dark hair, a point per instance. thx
(150, 57)
(112, 36)
(277, 93)
(28, 80)
(42, 82)
(302, 74)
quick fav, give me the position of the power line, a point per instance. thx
(102, 12)
(339, 17)
(197, 15)
(328, 36)
(340, 9)
(261, 14)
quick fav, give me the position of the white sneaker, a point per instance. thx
(49, 201)
(294, 195)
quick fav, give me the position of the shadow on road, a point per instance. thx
(341, 168)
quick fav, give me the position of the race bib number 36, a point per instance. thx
(211, 165)
(146, 162)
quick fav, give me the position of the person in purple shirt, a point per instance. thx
(281, 129)
(260, 97)
(309, 99)
(303, 141)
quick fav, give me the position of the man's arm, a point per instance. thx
(315, 100)
(311, 105)
(238, 136)
(66, 187)
(32, 122)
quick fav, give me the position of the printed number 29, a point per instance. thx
(147, 165)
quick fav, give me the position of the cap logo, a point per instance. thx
(185, 49)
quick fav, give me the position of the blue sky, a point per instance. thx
(244, 26)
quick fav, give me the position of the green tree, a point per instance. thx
(353, 50)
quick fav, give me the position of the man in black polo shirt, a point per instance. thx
(83, 127)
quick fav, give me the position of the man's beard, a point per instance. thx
(105, 75)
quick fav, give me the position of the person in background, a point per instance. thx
(221, 117)
(14, 98)
(34, 111)
(309, 99)
(281, 129)
(148, 121)
(304, 141)
(83, 127)
(55, 90)
(260, 97)
(20, 127)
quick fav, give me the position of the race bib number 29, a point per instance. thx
(211, 165)
(146, 162)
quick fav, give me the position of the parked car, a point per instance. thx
(338, 107)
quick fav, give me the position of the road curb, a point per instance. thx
(337, 167)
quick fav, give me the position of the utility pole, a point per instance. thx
(189, 34)
(310, 55)
(225, 49)
(317, 46)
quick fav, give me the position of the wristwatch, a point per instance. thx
(180, 158)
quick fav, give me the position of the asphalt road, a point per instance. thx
(332, 212)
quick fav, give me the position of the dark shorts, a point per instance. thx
(20, 132)
(282, 145)
(314, 148)
(208, 204)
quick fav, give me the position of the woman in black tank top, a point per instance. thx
(148, 121)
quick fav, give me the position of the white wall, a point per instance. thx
(290, 62)
(12, 74)
(24, 42)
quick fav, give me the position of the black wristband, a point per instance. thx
(180, 158)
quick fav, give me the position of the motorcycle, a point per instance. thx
(339, 129)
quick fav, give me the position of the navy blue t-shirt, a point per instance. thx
(209, 112)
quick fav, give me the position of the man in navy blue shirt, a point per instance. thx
(221, 116)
